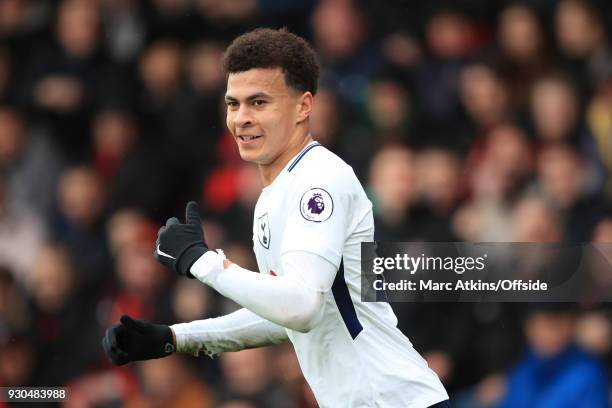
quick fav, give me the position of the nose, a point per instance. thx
(243, 117)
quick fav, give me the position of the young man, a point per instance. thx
(309, 222)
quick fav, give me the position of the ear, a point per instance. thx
(304, 107)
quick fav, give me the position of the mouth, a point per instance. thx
(248, 138)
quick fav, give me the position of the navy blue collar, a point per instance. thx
(302, 153)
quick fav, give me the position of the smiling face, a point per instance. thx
(267, 118)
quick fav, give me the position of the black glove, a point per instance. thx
(178, 245)
(135, 340)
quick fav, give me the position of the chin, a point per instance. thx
(249, 156)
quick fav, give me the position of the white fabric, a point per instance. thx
(208, 266)
(233, 332)
(298, 303)
(372, 364)
(294, 300)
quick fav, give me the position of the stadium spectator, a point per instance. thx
(535, 220)
(249, 377)
(554, 110)
(499, 165)
(170, 383)
(599, 125)
(449, 37)
(583, 44)
(61, 319)
(392, 185)
(22, 233)
(525, 54)
(124, 26)
(13, 306)
(79, 224)
(68, 74)
(17, 362)
(485, 97)
(555, 371)
(438, 186)
(349, 59)
(563, 179)
(30, 163)
(160, 76)
(131, 169)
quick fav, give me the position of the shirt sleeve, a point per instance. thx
(318, 219)
(233, 332)
(294, 300)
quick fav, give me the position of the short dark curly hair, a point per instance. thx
(269, 48)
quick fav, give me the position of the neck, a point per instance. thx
(269, 172)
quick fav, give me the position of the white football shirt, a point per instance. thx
(355, 356)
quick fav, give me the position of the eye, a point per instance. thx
(231, 104)
(259, 102)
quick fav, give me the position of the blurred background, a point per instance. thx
(464, 120)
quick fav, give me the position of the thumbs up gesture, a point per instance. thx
(178, 245)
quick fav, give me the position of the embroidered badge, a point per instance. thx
(263, 231)
(316, 205)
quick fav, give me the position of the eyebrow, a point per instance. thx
(257, 95)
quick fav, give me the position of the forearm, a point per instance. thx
(233, 332)
(294, 300)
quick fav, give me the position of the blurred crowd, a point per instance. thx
(466, 120)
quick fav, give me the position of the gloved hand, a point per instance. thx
(178, 245)
(135, 340)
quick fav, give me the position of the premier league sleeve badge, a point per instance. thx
(316, 205)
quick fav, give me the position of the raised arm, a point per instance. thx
(294, 300)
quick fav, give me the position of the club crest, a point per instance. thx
(263, 231)
(316, 205)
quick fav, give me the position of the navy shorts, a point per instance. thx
(443, 404)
